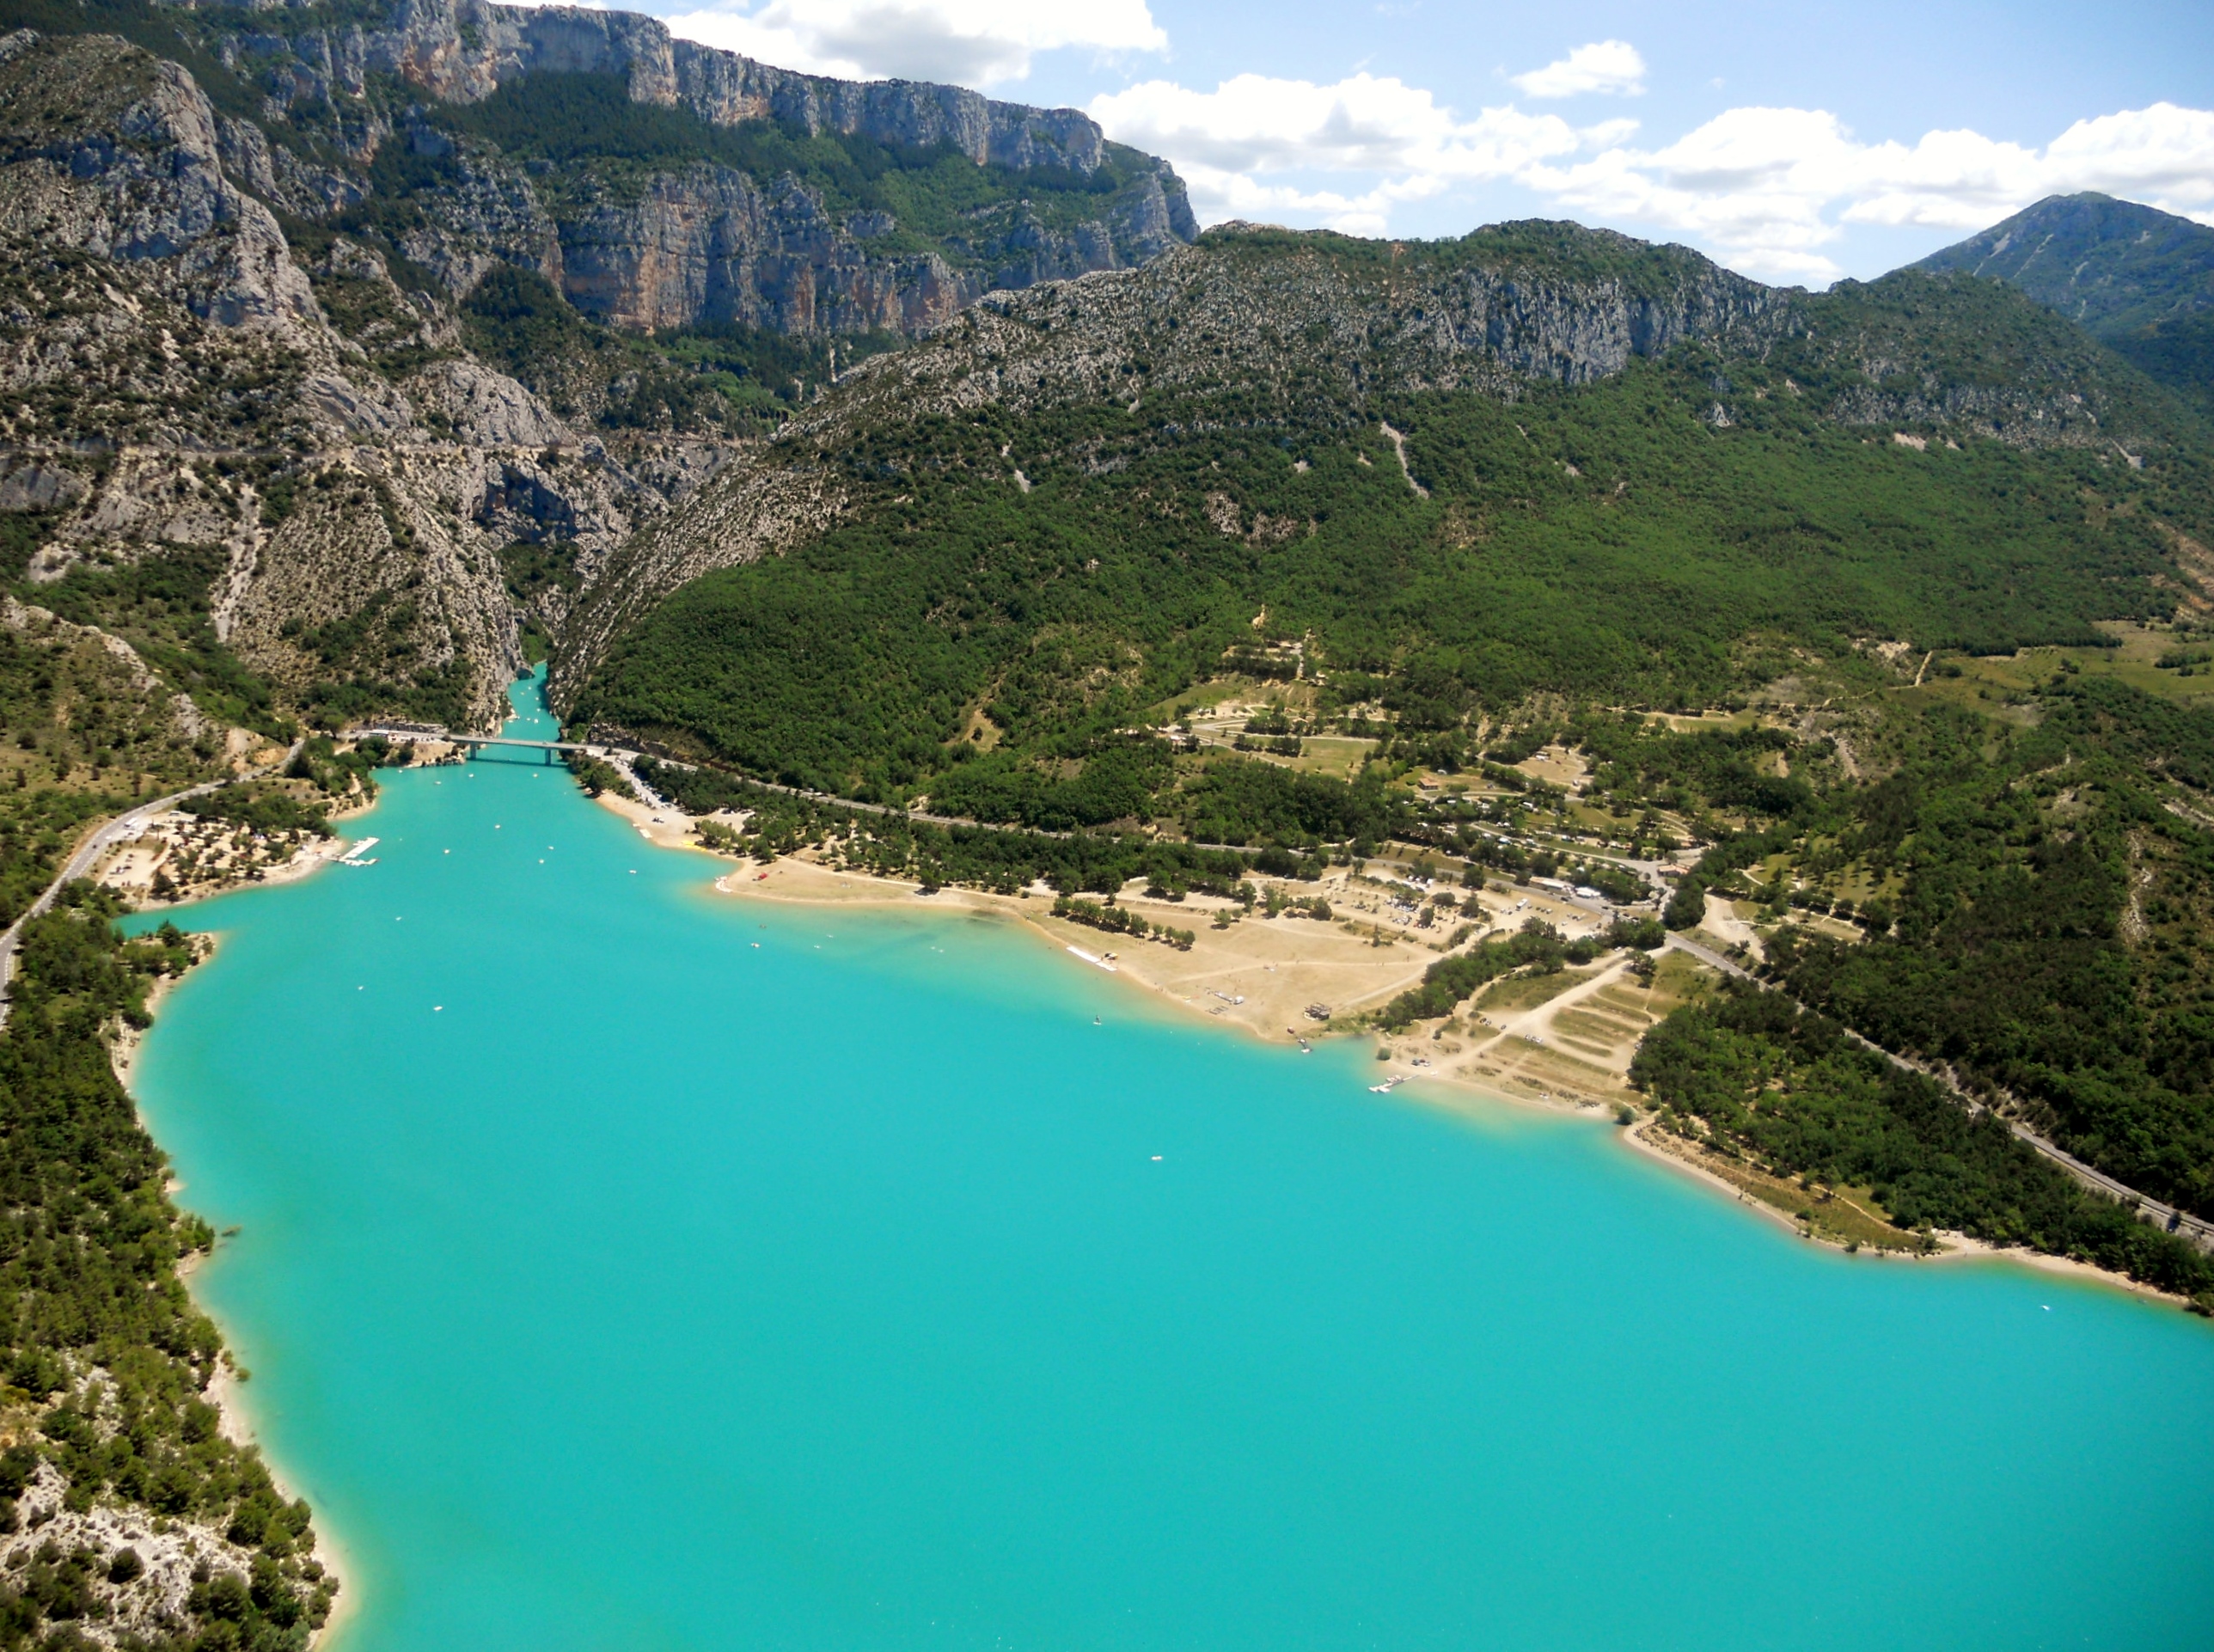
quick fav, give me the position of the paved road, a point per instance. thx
(88, 856)
(629, 754)
(2181, 1223)
(1707, 956)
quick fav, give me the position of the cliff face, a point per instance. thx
(692, 243)
(1570, 331)
(463, 51)
(115, 156)
(711, 246)
(175, 394)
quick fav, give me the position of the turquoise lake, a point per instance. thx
(625, 1265)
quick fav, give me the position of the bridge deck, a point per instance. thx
(447, 737)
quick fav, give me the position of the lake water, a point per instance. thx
(627, 1266)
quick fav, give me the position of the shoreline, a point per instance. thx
(1955, 1246)
(1231, 969)
(235, 1419)
(804, 882)
(308, 860)
(793, 882)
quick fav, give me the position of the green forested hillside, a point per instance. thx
(2140, 280)
(1649, 539)
(2051, 932)
(1750, 1074)
(1818, 519)
(108, 1359)
(106, 1400)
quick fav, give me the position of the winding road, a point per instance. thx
(2181, 1223)
(105, 837)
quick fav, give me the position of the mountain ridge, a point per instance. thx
(374, 117)
(2138, 279)
(1511, 306)
(254, 364)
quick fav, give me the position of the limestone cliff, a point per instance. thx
(463, 51)
(173, 387)
(680, 241)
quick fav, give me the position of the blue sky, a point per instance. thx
(1795, 142)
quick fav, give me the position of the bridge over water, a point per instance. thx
(553, 749)
(604, 749)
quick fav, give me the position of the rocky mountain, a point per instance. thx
(2140, 280)
(412, 343)
(176, 392)
(315, 316)
(654, 182)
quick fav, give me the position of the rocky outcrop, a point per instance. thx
(487, 409)
(117, 155)
(1260, 308)
(170, 386)
(279, 176)
(695, 243)
(1552, 327)
(461, 51)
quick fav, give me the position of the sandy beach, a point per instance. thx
(1561, 1042)
(1261, 974)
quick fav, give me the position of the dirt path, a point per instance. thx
(1534, 1023)
(1398, 441)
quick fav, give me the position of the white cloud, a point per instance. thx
(1608, 133)
(1602, 66)
(967, 42)
(1767, 189)
(2163, 155)
(1397, 142)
